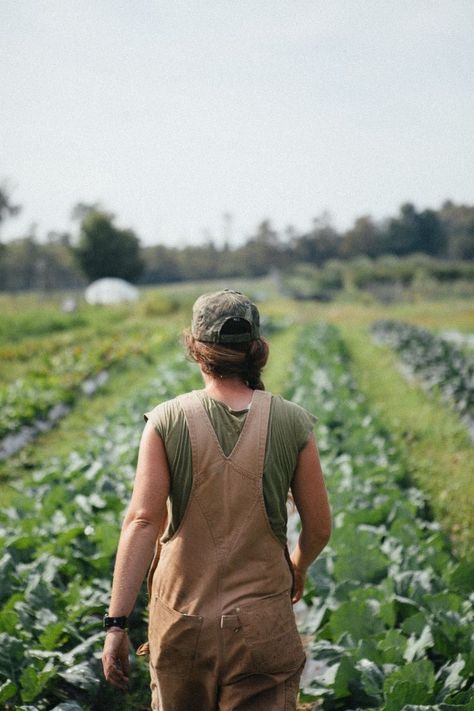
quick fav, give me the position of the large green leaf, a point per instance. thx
(372, 678)
(358, 619)
(359, 557)
(83, 676)
(7, 691)
(465, 705)
(33, 682)
(418, 672)
(393, 647)
(11, 655)
(417, 645)
(9, 621)
(450, 675)
(461, 578)
(404, 692)
(53, 636)
(7, 575)
(344, 676)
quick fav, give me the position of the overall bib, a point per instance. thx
(222, 632)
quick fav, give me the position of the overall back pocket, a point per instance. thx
(173, 639)
(271, 635)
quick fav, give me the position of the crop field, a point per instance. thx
(389, 604)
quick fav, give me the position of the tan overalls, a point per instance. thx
(222, 632)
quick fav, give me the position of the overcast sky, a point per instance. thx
(173, 112)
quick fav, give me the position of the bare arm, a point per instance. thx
(309, 493)
(140, 529)
(142, 522)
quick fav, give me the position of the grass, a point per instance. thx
(436, 442)
(282, 347)
(450, 313)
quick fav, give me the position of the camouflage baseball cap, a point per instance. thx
(230, 308)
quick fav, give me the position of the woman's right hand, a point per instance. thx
(115, 658)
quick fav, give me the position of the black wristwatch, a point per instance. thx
(115, 622)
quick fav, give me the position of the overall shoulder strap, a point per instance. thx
(203, 439)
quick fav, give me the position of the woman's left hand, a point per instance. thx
(115, 658)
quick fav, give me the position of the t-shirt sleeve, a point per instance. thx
(159, 418)
(304, 422)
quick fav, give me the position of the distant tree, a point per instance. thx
(161, 265)
(104, 250)
(363, 238)
(458, 222)
(24, 263)
(55, 237)
(81, 209)
(28, 264)
(7, 208)
(431, 234)
(414, 231)
(320, 244)
(197, 261)
(401, 236)
(262, 252)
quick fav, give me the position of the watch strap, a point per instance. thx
(115, 622)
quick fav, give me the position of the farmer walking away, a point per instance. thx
(207, 519)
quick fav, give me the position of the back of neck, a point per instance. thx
(231, 391)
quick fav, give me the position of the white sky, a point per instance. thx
(172, 112)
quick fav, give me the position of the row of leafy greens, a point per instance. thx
(441, 365)
(59, 377)
(390, 608)
(58, 540)
(392, 611)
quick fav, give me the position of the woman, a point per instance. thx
(215, 467)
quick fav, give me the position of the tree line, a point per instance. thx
(100, 248)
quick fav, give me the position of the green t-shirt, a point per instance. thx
(288, 431)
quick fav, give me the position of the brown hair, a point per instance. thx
(243, 360)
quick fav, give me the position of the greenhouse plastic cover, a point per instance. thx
(110, 291)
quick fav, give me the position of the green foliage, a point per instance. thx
(59, 377)
(391, 624)
(7, 208)
(306, 281)
(392, 613)
(365, 237)
(458, 222)
(58, 540)
(433, 436)
(441, 365)
(156, 304)
(107, 251)
(37, 322)
(389, 269)
(28, 264)
(387, 277)
(413, 231)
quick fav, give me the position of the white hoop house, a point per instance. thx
(110, 291)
